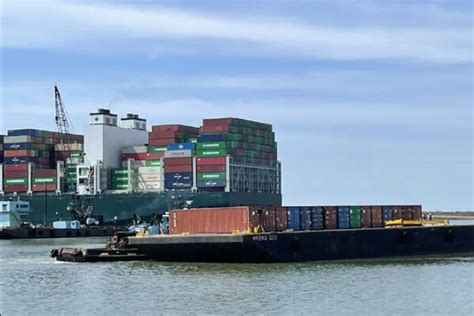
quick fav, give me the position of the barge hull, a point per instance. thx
(308, 245)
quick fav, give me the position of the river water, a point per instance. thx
(33, 283)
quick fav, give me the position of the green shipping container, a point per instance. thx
(44, 180)
(122, 172)
(8, 181)
(156, 149)
(76, 155)
(355, 216)
(153, 163)
(122, 186)
(211, 146)
(211, 153)
(211, 176)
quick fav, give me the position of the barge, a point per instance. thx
(287, 246)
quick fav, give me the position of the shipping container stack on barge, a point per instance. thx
(285, 234)
(121, 169)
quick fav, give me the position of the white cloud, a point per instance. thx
(74, 25)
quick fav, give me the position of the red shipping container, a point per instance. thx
(44, 187)
(175, 128)
(161, 141)
(17, 153)
(15, 188)
(268, 217)
(417, 213)
(330, 217)
(43, 161)
(211, 161)
(281, 218)
(178, 161)
(44, 172)
(214, 220)
(16, 174)
(211, 168)
(16, 167)
(141, 156)
(180, 168)
(217, 122)
(214, 129)
(163, 135)
(155, 156)
(366, 216)
(376, 216)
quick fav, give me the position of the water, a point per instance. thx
(33, 283)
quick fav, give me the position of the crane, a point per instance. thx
(62, 122)
(79, 208)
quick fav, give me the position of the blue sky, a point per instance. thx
(371, 100)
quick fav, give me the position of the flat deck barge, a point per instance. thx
(283, 246)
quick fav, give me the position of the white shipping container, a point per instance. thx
(149, 187)
(135, 150)
(178, 153)
(150, 178)
(17, 139)
(149, 170)
(66, 147)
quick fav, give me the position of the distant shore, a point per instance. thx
(468, 215)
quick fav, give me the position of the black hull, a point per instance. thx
(28, 233)
(299, 246)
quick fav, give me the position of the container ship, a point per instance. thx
(121, 169)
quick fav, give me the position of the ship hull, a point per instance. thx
(118, 208)
(45, 232)
(296, 246)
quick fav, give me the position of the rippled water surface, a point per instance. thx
(33, 283)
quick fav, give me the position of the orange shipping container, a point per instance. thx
(17, 153)
(223, 220)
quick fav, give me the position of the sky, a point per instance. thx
(371, 101)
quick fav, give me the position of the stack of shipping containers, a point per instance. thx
(36, 147)
(175, 144)
(72, 155)
(163, 135)
(138, 155)
(252, 150)
(120, 179)
(1, 149)
(277, 218)
(178, 166)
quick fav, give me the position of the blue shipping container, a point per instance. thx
(178, 184)
(343, 217)
(305, 218)
(178, 176)
(23, 132)
(14, 146)
(211, 184)
(211, 138)
(294, 221)
(15, 160)
(387, 213)
(317, 217)
(181, 146)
